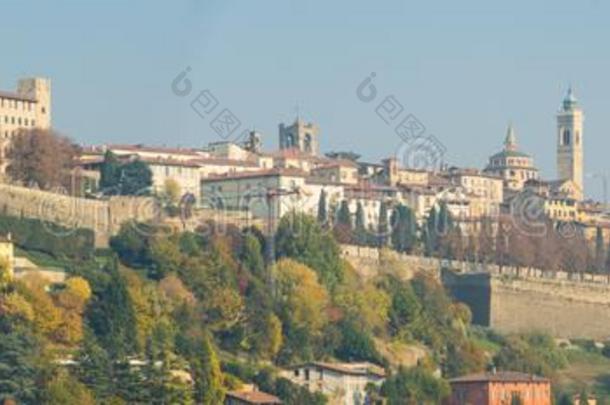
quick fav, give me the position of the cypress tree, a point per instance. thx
(112, 317)
(110, 173)
(207, 374)
(360, 228)
(344, 217)
(322, 212)
(600, 253)
(403, 229)
(382, 224)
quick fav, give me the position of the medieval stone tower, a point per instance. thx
(301, 136)
(569, 142)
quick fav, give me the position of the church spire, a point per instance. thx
(510, 142)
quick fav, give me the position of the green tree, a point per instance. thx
(95, 368)
(206, 372)
(600, 251)
(132, 246)
(322, 210)
(344, 217)
(403, 229)
(136, 178)
(131, 178)
(163, 386)
(438, 225)
(252, 256)
(65, 389)
(112, 316)
(361, 234)
(110, 173)
(300, 237)
(19, 369)
(382, 225)
(414, 386)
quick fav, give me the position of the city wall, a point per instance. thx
(510, 299)
(104, 217)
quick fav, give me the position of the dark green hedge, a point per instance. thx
(55, 240)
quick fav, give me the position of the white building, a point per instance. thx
(343, 383)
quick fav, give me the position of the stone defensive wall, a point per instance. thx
(510, 300)
(104, 217)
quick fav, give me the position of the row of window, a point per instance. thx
(16, 104)
(18, 121)
(522, 174)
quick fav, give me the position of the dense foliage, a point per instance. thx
(41, 236)
(170, 317)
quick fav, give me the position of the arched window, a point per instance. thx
(307, 143)
(566, 137)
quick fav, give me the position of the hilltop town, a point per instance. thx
(215, 273)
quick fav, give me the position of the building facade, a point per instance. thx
(27, 108)
(343, 383)
(500, 388)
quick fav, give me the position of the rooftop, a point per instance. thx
(289, 172)
(254, 397)
(16, 96)
(500, 376)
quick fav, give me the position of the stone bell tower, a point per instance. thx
(569, 142)
(301, 136)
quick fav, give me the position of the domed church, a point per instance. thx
(514, 166)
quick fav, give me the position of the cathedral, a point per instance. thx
(517, 168)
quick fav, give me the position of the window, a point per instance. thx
(566, 137)
(306, 374)
(296, 372)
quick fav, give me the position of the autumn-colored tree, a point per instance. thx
(171, 191)
(72, 300)
(15, 308)
(41, 157)
(47, 316)
(174, 289)
(5, 273)
(298, 289)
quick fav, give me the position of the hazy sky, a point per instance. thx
(464, 68)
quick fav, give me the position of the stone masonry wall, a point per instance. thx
(510, 299)
(104, 217)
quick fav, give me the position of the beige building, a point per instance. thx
(340, 171)
(570, 143)
(343, 383)
(27, 108)
(393, 175)
(512, 165)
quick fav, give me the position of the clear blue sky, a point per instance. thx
(464, 68)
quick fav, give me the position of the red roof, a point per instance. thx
(500, 376)
(254, 397)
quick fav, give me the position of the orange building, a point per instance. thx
(500, 388)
